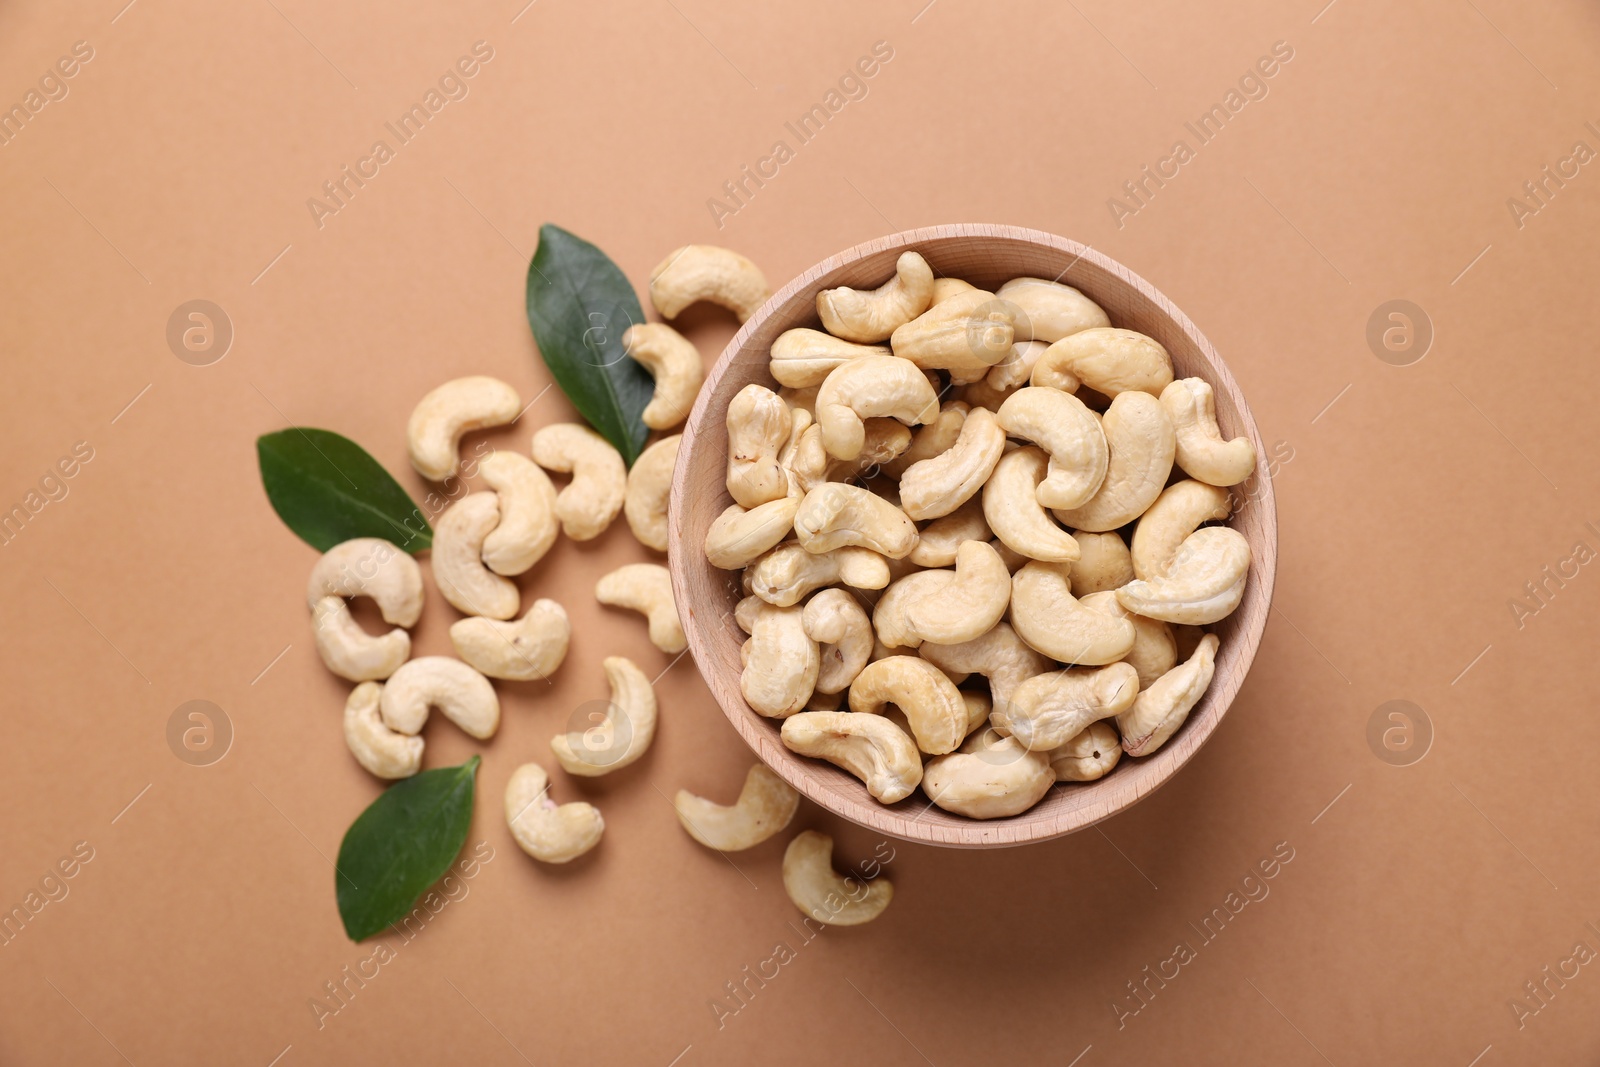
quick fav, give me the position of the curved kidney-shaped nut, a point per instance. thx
(981, 394)
(999, 780)
(1050, 310)
(1202, 453)
(1162, 708)
(530, 647)
(945, 288)
(935, 487)
(839, 625)
(968, 606)
(780, 663)
(1047, 616)
(871, 315)
(1154, 650)
(599, 478)
(644, 504)
(1048, 710)
(979, 707)
(938, 541)
(647, 589)
(1141, 442)
(758, 430)
(870, 387)
(788, 574)
(351, 652)
(1107, 360)
(705, 272)
(885, 439)
(932, 438)
(999, 655)
(814, 887)
(674, 362)
(1059, 423)
(837, 514)
(465, 696)
(380, 750)
(458, 559)
(738, 536)
(433, 435)
(1180, 509)
(370, 567)
(1015, 370)
(544, 830)
(806, 460)
(890, 616)
(1103, 563)
(765, 806)
(1011, 507)
(1203, 584)
(625, 733)
(931, 702)
(966, 335)
(803, 357)
(1089, 756)
(528, 525)
(870, 747)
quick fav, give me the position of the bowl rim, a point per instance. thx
(758, 732)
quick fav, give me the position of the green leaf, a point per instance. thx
(579, 305)
(327, 490)
(403, 843)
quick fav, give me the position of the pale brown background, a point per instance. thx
(1414, 508)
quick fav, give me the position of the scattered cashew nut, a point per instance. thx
(530, 647)
(674, 362)
(818, 891)
(765, 806)
(433, 435)
(544, 830)
(458, 559)
(646, 588)
(382, 751)
(464, 696)
(592, 499)
(528, 524)
(349, 651)
(644, 502)
(705, 272)
(628, 729)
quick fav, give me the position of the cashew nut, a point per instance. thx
(1154, 650)
(527, 526)
(966, 335)
(843, 633)
(821, 701)
(1014, 560)
(1047, 616)
(379, 749)
(644, 504)
(758, 429)
(1050, 310)
(945, 288)
(1060, 424)
(738, 536)
(870, 387)
(1016, 368)
(1088, 756)
(836, 514)
(890, 616)
(980, 394)
(705, 272)
(970, 604)
(1203, 584)
(1177, 513)
(674, 363)
(1142, 443)
(930, 701)
(788, 574)
(458, 559)
(780, 661)
(370, 567)
(624, 735)
(997, 780)
(599, 479)
(802, 358)
(938, 541)
(646, 588)
(1048, 710)
(935, 487)
(544, 830)
(765, 806)
(1202, 453)
(530, 647)
(814, 887)
(999, 655)
(464, 696)
(1011, 507)
(870, 747)
(1162, 708)
(804, 399)
(931, 438)
(870, 316)
(1103, 563)
(351, 652)
(1107, 360)
(433, 435)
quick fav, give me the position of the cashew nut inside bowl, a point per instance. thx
(1060, 424)
(464, 696)
(871, 387)
(1000, 780)
(1159, 711)
(819, 891)
(765, 806)
(1109, 361)
(780, 661)
(1202, 453)
(870, 747)
(1050, 310)
(1203, 584)
(758, 429)
(871, 316)
(626, 733)
(546, 831)
(1089, 756)
(440, 418)
(930, 701)
(802, 358)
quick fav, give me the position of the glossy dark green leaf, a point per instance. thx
(403, 843)
(579, 305)
(327, 489)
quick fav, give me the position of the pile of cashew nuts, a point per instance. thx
(939, 490)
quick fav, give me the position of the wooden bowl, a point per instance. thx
(986, 256)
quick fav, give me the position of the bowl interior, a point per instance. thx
(986, 256)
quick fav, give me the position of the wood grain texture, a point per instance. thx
(986, 256)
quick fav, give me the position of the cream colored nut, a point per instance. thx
(938, 541)
(801, 399)
(599, 483)
(1154, 650)
(464, 696)
(966, 335)
(979, 707)
(1141, 442)
(458, 559)
(528, 525)
(981, 394)
(1015, 370)
(1162, 708)
(1014, 560)
(433, 435)
(870, 387)
(780, 662)
(544, 830)
(931, 702)
(999, 655)
(647, 589)
(885, 440)
(1107, 360)
(351, 652)
(1059, 423)
(738, 536)
(1089, 756)
(970, 605)
(530, 647)
(1011, 507)
(806, 460)
(821, 701)
(931, 438)
(935, 487)
(1047, 616)
(871, 315)
(758, 430)
(1103, 563)
(644, 503)
(818, 891)
(624, 734)
(945, 288)
(765, 806)
(674, 363)
(1180, 509)
(836, 514)
(788, 574)
(380, 750)
(870, 747)
(839, 625)
(800, 422)
(705, 272)
(1049, 710)
(890, 618)
(1202, 453)
(1204, 583)
(1001, 779)
(1050, 310)
(370, 567)
(802, 358)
